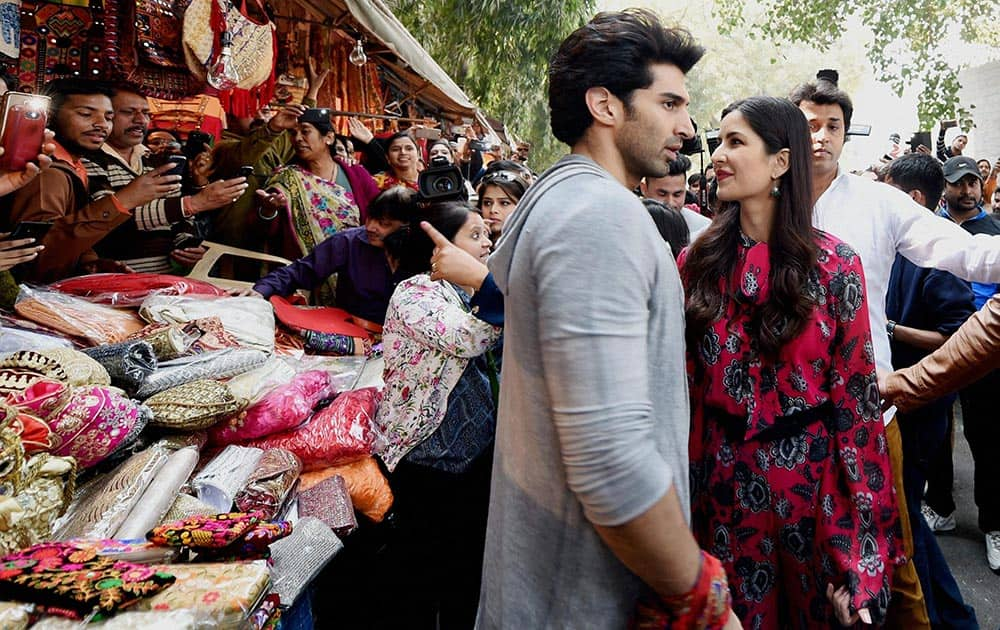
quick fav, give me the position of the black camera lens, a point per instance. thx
(443, 185)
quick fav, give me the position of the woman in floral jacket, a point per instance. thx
(791, 483)
(438, 416)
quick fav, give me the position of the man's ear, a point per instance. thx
(917, 195)
(604, 106)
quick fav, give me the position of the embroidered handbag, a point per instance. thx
(193, 406)
(205, 532)
(270, 485)
(128, 363)
(47, 489)
(252, 42)
(77, 580)
(20, 369)
(142, 48)
(93, 424)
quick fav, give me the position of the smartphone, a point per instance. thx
(180, 163)
(30, 229)
(245, 171)
(23, 131)
(195, 144)
(426, 133)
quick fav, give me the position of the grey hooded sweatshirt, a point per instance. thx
(593, 420)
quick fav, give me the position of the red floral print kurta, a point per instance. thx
(791, 485)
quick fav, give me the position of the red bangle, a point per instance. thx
(705, 606)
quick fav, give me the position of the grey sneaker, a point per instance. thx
(939, 523)
(993, 549)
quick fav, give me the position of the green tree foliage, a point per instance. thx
(498, 52)
(909, 39)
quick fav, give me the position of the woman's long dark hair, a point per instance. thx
(411, 246)
(792, 245)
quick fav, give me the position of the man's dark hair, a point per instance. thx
(61, 89)
(614, 51)
(824, 91)
(671, 225)
(679, 165)
(916, 171)
(398, 203)
(694, 179)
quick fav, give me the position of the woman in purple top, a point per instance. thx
(357, 255)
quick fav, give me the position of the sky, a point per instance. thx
(874, 103)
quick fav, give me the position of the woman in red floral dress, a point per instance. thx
(791, 483)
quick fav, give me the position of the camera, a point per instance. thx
(441, 181)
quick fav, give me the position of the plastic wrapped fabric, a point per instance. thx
(225, 594)
(159, 496)
(75, 316)
(369, 489)
(128, 363)
(211, 365)
(344, 371)
(131, 289)
(330, 502)
(298, 559)
(102, 504)
(77, 580)
(339, 434)
(284, 407)
(80, 368)
(193, 406)
(250, 320)
(255, 384)
(169, 341)
(14, 339)
(270, 485)
(224, 476)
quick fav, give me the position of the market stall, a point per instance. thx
(177, 442)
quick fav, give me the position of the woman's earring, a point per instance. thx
(776, 189)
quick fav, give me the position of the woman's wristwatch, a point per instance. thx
(890, 327)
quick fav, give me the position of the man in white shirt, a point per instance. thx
(879, 221)
(671, 191)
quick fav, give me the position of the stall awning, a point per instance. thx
(426, 80)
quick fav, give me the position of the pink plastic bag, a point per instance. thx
(283, 408)
(341, 433)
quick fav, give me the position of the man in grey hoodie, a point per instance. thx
(589, 504)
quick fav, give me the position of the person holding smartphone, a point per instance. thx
(81, 117)
(161, 235)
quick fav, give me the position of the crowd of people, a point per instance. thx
(625, 391)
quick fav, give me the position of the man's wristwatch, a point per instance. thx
(890, 327)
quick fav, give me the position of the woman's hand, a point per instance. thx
(245, 293)
(453, 263)
(286, 118)
(14, 253)
(273, 200)
(13, 180)
(358, 130)
(841, 600)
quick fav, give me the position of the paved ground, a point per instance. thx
(965, 548)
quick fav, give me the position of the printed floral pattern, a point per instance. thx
(428, 339)
(824, 473)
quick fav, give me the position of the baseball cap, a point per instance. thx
(958, 167)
